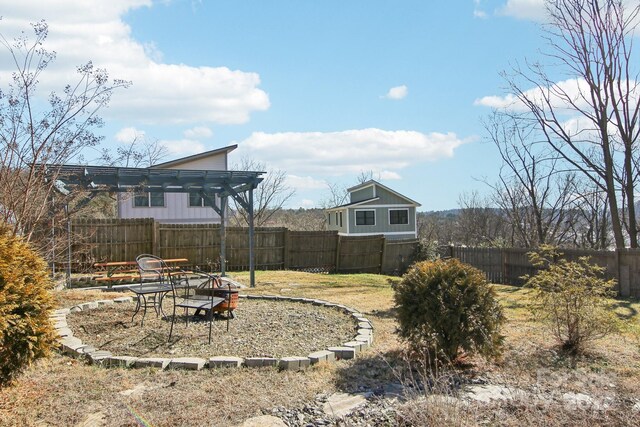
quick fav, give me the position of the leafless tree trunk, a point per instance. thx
(37, 131)
(591, 40)
(531, 192)
(269, 198)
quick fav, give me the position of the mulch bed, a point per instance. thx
(261, 328)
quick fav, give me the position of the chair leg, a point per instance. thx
(173, 319)
(210, 322)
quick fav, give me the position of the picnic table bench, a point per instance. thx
(127, 271)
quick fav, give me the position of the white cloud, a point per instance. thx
(305, 183)
(397, 92)
(198, 132)
(558, 94)
(348, 152)
(80, 31)
(389, 175)
(182, 147)
(129, 134)
(524, 9)
(477, 11)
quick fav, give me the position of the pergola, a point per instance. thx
(208, 183)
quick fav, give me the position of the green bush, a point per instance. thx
(572, 298)
(26, 333)
(445, 306)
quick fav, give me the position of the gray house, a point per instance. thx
(177, 208)
(374, 209)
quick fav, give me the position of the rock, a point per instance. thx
(263, 421)
(190, 363)
(340, 404)
(225, 362)
(486, 392)
(322, 356)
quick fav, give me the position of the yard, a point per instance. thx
(547, 388)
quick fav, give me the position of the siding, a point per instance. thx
(364, 194)
(382, 222)
(335, 227)
(176, 210)
(387, 198)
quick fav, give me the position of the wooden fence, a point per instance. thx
(508, 265)
(275, 248)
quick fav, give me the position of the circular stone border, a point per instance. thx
(73, 346)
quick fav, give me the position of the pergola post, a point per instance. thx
(252, 258)
(223, 236)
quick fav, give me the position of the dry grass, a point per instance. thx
(63, 391)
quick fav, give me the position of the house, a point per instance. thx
(374, 209)
(177, 208)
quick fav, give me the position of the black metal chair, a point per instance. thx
(206, 303)
(153, 285)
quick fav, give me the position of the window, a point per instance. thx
(398, 216)
(145, 200)
(329, 219)
(340, 219)
(197, 201)
(365, 217)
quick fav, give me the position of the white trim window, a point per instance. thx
(366, 217)
(197, 201)
(148, 200)
(398, 216)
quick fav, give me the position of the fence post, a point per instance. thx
(155, 237)
(285, 249)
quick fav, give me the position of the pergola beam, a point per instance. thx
(207, 183)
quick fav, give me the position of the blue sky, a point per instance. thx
(322, 89)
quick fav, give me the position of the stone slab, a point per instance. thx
(343, 352)
(322, 356)
(225, 362)
(60, 324)
(365, 331)
(358, 346)
(75, 309)
(364, 338)
(98, 356)
(294, 363)
(64, 332)
(256, 362)
(120, 361)
(61, 312)
(364, 325)
(340, 404)
(105, 302)
(152, 362)
(89, 305)
(189, 363)
(121, 300)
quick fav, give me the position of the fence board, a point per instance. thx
(275, 248)
(509, 265)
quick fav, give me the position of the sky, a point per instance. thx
(321, 89)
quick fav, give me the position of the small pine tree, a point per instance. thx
(572, 298)
(26, 333)
(444, 306)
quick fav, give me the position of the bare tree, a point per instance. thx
(533, 194)
(591, 41)
(479, 223)
(37, 131)
(140, 152)
(269, 198)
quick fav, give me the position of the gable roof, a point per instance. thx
(182, 160)
(373, 182)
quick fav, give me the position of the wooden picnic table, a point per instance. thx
(126, 270)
